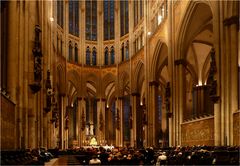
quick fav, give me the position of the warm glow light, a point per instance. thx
(149, 33)
(159, 19)
(51, 19)
(199, 83)
(107, 106)
(141, 103)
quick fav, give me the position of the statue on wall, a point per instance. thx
(37, 53)
(211, 80)
(91, 132)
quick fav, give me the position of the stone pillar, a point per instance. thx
(104, 120)
(182, 99)
(119, 122)
(32, 123)
(100, 131)
(82, 124)
(78, 120)
(12, 63)
(217, 125)
(135, 110)
(62, 119)
(152, 114)
(45, 128)
(230, 61)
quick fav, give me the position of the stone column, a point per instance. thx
(61, 122)
(12, 63)
(119, 122)
(100, 122)
(152, 114)
(32, 124)
(134, 120)
(182, 99)
(230, 32)
(98, 133)
(82, 125)
(78, 120)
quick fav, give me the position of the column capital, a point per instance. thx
(180, 62)
(231, 20)
(98, 99)
(154, 83)
(120, 97)
(101, 99)
(104, 99)
(136, 94)
(62, 94)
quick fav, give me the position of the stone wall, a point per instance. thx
(236, 128)
(7, 124)
(198, 132)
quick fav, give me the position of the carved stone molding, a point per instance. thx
(180, 62)
(231, 20)
(154, 83)
(136, 94)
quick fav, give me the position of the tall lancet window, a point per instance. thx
(106, 56)
(94, 57)
(108, 19)
(127, 51)
(60, 13)
(74, 17)
(138, 11)
(112, 56)
(70, 52)
(88, 60)
(124, 17)
(76, 53)
(122, 52)
(91, 20)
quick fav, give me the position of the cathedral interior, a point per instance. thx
(132, 73)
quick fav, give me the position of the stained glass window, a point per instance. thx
(88, 56)
(112, 56)
(76, 54)
(108, 19)
(94, 57)
(124, 17)
(91, 20)
(70, 52)
(60, 13)
(122, 51)
(135, 12)
(106, 56)
(127, 51)
(74, 17)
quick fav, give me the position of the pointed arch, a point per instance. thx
(61, 79)
(138, 77)
(184, 38)
(74, 77)
(160, 57)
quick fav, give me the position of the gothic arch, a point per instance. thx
(107, 79)
(61, 79)
(184, 38)
(93, 79)
(160, 57)
(138, 77)
(74, 77)
(72, 92)
(123, 83)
